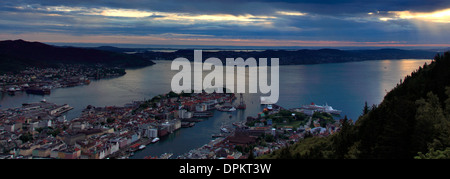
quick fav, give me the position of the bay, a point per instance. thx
(344, 86)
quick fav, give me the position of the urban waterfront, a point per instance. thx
(345, 86)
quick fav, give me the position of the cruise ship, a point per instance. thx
(310, 109)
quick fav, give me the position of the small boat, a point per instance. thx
(142, 147)
(217, 135)
(25, 85)
(224, 130)
(11, 91)
(156, 139)
(238, 124)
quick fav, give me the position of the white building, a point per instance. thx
(152, 133)
(184, 114)
(201, 107)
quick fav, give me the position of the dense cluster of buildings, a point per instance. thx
(30, 127)
(260, 139)
(42, 80)
(38, 130)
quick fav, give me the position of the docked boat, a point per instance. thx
(226, 108)
(25, 85)
(156, 139)
(310, 109)
(269, 107)
(11, 91)
(238, 124)
(217, 135)
(330, 110)
(224, 130)
(202, 114)
(134, 148)
(142, 147)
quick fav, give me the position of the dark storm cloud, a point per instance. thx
(346, 20)
(255, 6)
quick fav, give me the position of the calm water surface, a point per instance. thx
(345, 86)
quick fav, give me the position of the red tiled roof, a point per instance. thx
(135, 145)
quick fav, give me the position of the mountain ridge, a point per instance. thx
(19, 54)
(295, 57)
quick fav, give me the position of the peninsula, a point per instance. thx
(16, 55)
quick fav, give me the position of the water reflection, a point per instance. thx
(345, 86)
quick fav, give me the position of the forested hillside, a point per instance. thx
(413, 121)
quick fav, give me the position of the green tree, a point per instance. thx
(435, 154)
(250, 155)
(447, 102)
(430, 122)
(26, 137)
(172, 94)
(344, 139)
(110, 120)
(366, 109)
(269, 138)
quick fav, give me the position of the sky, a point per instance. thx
(303, 23)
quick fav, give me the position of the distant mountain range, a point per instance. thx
(18, 54)
(287, 57)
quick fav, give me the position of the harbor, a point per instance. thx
(271, 129)
(139, 84)
(110, 131)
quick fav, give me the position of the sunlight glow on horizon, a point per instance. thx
(185, 39)
(441, 16)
